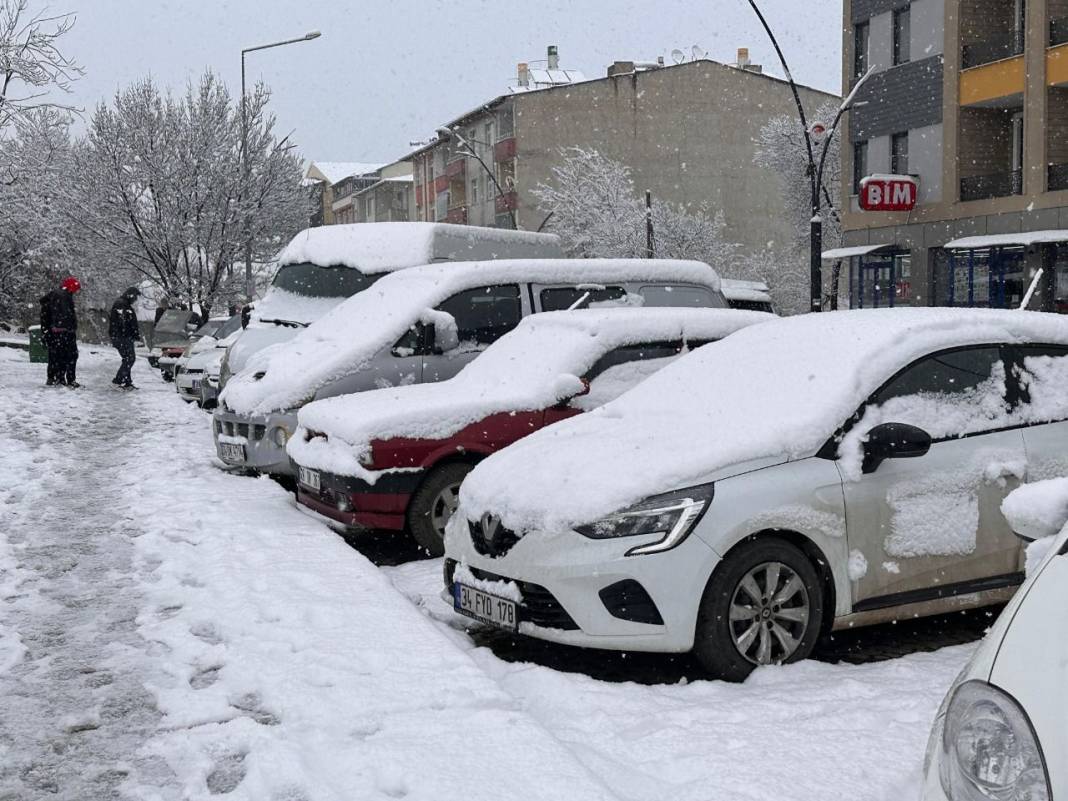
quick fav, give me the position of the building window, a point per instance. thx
(474, 190)
(506, 175)
(860, 49)
(488, 133)
(899, 153)
(901, 35)
(860, 164)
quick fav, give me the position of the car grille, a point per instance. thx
(502, 543)
(539, 606)
(249, 431)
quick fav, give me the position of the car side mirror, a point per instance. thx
(894, 441)
(442, 339)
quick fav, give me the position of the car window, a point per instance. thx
(485, 314)
(948, 394)
(680, 296)
(313, 280)
(1041, 374)
(229, 327)
(623, 368)
(564, 297)
(633, 353)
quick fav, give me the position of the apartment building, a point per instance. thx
(685, 130)
(970, 97)
(389, 198)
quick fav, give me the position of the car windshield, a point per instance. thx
(228, 327)
(311, 280)
(209, 328)
(173, 321)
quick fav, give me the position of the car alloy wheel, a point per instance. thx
(434, 503)
(444, 507)
(769, 614)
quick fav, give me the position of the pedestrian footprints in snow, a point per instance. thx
(227, 774)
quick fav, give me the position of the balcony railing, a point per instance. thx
(1003, 45)
(1058, 31)
(998, 184)
(457, 216)
(1057, 177)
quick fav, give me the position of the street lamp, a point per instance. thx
(814, 170)
(244, 147)
(447, 135)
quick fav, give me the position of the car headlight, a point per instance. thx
(279, 436)
(671, 516)
(989, 750)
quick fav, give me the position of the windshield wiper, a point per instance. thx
(287, 323)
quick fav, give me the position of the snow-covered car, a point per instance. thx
(209, 385)
(200, 340)
(849, 471)
(322, 266)
(422, 325)
(749, 295)
(170, 337)
(394, 458)
(202, 355)
(1002, 732)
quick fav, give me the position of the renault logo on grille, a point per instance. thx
(491, 524)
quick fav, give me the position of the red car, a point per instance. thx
(394, 458)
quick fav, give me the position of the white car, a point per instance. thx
(191, 370)
(813, 472)
(1002, 732)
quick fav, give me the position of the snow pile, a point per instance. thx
(388, 246)
(1038, 510)
(529, 369)
(358, 329)
(774, 391)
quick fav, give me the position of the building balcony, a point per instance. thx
(1057, 177)
(996, 47)
(457, 167)
(509, 201)
(504, 150)
(992, 185)
(999, 83)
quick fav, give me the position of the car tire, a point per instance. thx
(434, 501)
(736, 631)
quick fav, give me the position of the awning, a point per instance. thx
(996, 240)
(845, 253)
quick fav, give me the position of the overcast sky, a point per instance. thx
(389, 71)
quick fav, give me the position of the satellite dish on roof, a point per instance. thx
(697, 52)
(678, 56)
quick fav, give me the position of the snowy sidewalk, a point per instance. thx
(171, 631)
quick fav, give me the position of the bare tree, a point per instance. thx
(158, 187)
(597, 213)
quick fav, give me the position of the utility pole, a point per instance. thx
(650, 250)
(246, 168)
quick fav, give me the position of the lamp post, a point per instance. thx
(245, 169)
(814, 169)
(447, 134)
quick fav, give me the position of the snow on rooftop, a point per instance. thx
(335, 171)
(353, 332)
(993, 240)
(529, 369)
(772, 392)
(387, 246)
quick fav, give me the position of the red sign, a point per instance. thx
(888, 193)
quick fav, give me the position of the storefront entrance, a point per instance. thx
(880, 280)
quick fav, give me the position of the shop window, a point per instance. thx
(987, 277)
(881, 280)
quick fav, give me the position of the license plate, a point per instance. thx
(231, 452)
(309, 478)
(196, 385)
(485, 607)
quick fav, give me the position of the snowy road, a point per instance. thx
(171, 631)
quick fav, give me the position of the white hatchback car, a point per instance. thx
(1002, 732)
(814, 472)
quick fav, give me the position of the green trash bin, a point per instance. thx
(38, 351)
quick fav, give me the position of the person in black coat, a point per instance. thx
(124, 331)
(59, 330)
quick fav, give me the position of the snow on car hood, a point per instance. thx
(779, 389)
(528, 369)
(352, 333)
(255, 339)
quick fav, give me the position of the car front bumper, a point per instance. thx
(356, 503)
(255, 436)
(188, 384)
(569, 583)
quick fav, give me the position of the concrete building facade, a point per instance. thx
(971, 98)
(686, 131)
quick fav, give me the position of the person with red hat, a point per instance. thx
(59, 329)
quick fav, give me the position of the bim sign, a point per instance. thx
(888, 193)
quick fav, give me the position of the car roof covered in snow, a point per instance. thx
(753, 291)
(383, 247)
(353, 332)
(531, 368)
(773, 391)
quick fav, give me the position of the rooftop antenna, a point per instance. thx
(678, 56)
(697, 52)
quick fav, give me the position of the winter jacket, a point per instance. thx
(122, 322)
(57, 311)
